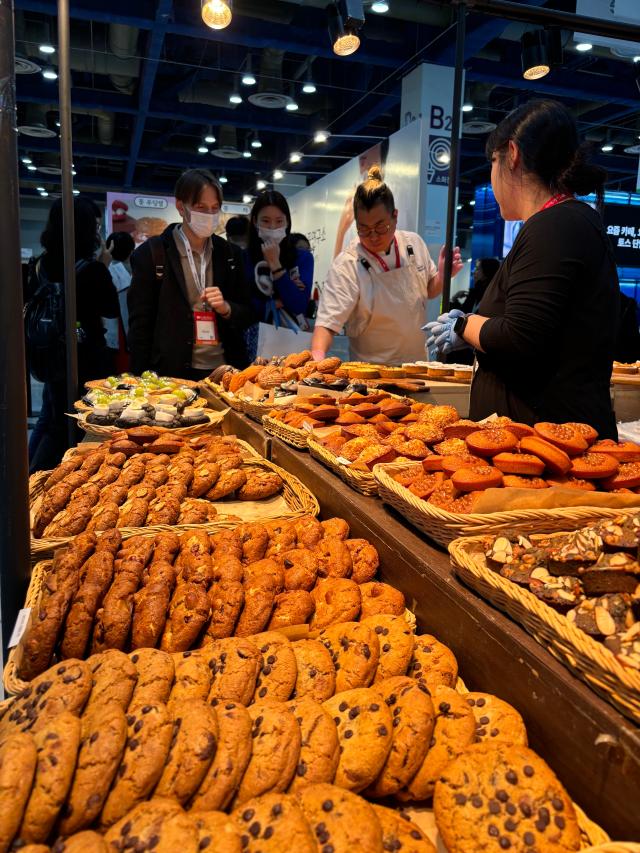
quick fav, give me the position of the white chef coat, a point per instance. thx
(382, 312)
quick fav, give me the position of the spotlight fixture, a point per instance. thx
(44, 193)
(292, 104)
(73, 172)
(321, 136)
(40, 189)
(76, 192)
(607, 147)
(223, 179)
(49, 74)
(255, 141)
(636, 59)
(216, 13)
(541, 50)
(467, 108)
(246, 199)
(202, 149)
(458, 207)
(308, 87)
(278, 175)
(246, 153)
(346, 17)
(209, 138)
(295, 157)
(27, 161)
(47, 48)
(235, 97)
(248, 78)
(472, 202)
(32, 168)
(261, 185)
(380, 7)
(584, 46)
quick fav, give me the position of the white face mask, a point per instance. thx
(202, 224)
(276, 234)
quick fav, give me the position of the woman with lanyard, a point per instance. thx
(188, 300)
(545, 330)
(378, 288)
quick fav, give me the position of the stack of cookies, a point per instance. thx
(145, 478)
(283, 736)
(180, 592)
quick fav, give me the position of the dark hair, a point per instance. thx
(373, 191)
(85, 229)
(489, 267)
(120, 244)
(547, 137)
(237, 226)
(191, 183)
(287, 249)
(297, 236)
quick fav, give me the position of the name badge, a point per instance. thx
(206, 328)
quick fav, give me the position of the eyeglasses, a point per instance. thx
(379, 229)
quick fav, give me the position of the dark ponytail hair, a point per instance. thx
(547, 136)
(373, 191)
(288, 254)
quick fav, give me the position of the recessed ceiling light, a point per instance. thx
(584, 46)
(27, 161)
(278, 175)
(295, 157)
(292, 106)
(247, 199)
(261, 185)
(467, 108)
(49, 74)
(223, 179)
(380, 7)
(323, 135)
(607, 147)
(31, 168)
(202, 149)
(47, 48)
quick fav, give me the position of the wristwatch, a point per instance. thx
(460, 325)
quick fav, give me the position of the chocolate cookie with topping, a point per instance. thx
(355, 651)
(273, 823)
(319, 748)
(498, 797)
(364, 724)
(496, 720)
(316, 671)
(193, 746)
(340, 821)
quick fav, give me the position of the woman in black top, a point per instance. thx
(546, 327)
(98, 318)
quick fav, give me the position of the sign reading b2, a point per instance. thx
(438, 120)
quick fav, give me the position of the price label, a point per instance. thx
(20, 627)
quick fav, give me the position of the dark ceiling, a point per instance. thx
(149, 78)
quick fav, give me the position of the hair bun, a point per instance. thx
(375, 173)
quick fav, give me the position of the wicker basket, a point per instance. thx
(226, 396)
(612, 846)
(290, 435)
(588, 659)
(300, 501)
(443, 527)
(362, 481)
(215, 419)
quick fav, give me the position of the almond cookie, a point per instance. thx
(413, 721)
(275, 751)
(355, 651)
(228, 483)
(231, 758)
(399, 832)
(335, 528)
(261, 485)
(259, 598)
(205, 477)
(294, 607)
(453, 732)
(193, 746)
(278, 668)
(433, 662)
(340, 821)
(254, 540)
(364, 724)
(380, 598)
(365, 560)
(114, 679)
(158, 825)
(227, 567)
(95, 577)
(197, 568)
(104, 734)
(254, 572)
(234, 664)
(194, 511)
(229, 543)
(151, 604)
(226, 599)
(396, 640)
(218, 829)
(316, 672)
(336, 600)
(192, 677)
(334, 558)
(188, 614)
(300, 568)
(156, 672)
(18, 759)
(273, 823)
(501, 797)
(57, 746)
(82, 842)
(149, 732)
(496, 721)
(309, 531)
(319, 746)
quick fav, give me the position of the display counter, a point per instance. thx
(594, 749)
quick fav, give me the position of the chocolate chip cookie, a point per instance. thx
(300, 568)
(156, 672)
(226, 598)
(259, 598)
(82, 842)
(433, 662)
(399, 832)
(273, 823)
(192, 677)
(365, 560)
(319, 747)
(316, 672)
(159, 825)
(114, 679)
(334, 558)
(217, 832)
(396, 639)
(18, 759)
(340, 821)
(234, 664)
(193, 746)
(496, 720)
(355, 651)
(278, 668)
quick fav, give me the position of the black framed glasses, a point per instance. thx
(379, 229)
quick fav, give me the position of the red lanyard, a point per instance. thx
(556, 199)
(382, 261)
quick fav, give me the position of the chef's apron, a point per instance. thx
(385, 328)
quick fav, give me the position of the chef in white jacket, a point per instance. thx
(378, 288)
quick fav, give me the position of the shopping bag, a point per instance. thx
(281, 341)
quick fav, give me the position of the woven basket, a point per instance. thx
(362, 481)
(290, 435)
(443, 527)
(215, 419)
(226, 396)
(588, 659)
(300, 501)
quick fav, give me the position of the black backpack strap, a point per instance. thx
(158, 256)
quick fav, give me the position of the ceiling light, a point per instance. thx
(216, 13)
(57, 124)
(261, 185)
(584, 46)
(346, 17)
(223, 179)
(255, 142)
(636, 58)
(472, 202)
(47, 48)
(380, 7)
(32, 168)
(73, 172)
(292, 104)
(76, 192)
(41, 189)
(248, 78)
(246, 153)
(308, 87)
(444, 157)
(458, 207)
(295, 157)
(535, 55)
(278, 175)
(323, 135)
(44, 193)
(209, 138)
(467, 108)
(27, 161)
(235, 97)
(607, 147)
(247, 199)
(49, 74)
(202, 149)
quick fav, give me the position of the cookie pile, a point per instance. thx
(592, 575)
(503, 453)
(280, 370)
(145, 478)
(88, 743)
(177, 592)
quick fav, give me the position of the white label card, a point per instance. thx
(20, 627)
